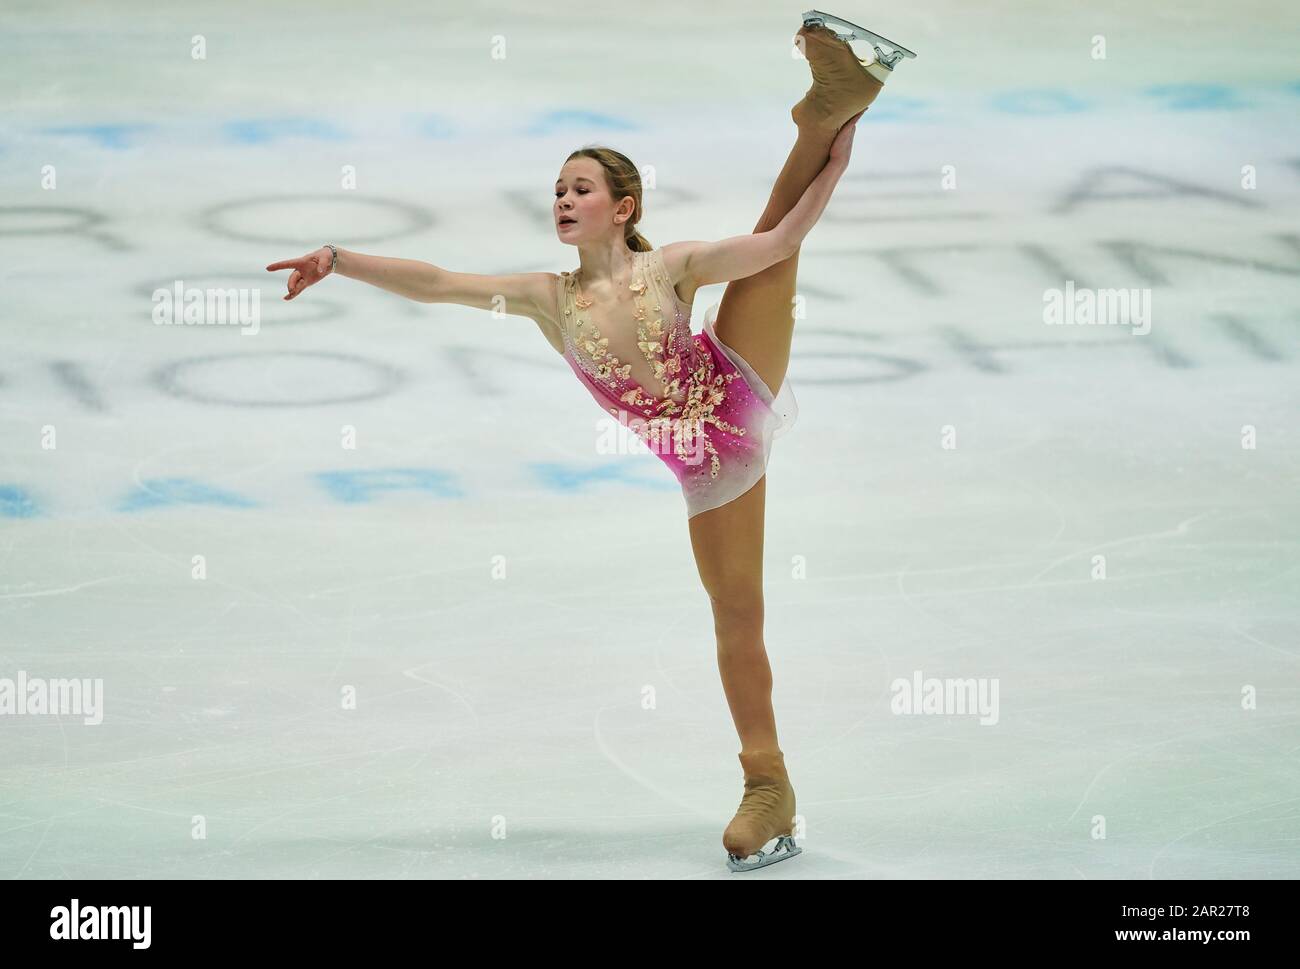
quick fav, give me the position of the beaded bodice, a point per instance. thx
(648, 348)
(641, 355)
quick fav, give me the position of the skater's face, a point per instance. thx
(582, 194)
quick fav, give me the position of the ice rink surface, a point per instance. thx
(474, 644)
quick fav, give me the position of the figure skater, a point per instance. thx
(702, 402)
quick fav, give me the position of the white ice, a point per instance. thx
(517, 616)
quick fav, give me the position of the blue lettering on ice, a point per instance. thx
(357, 487)
(260, 131)
(107, 135)
(899, 108)
(435, 127)
(560, 120)
(16, 503)
(160, 492)
(1038, 101)
(1196, 97)
(561, 477)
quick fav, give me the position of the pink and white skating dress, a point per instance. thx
(694, 401)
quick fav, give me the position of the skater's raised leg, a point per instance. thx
(756, 317)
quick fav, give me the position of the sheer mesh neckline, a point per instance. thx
(638, 260)
(666, 345)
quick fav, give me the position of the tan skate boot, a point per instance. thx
(766, 812)
(842, 84)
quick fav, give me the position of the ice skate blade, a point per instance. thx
(785, 848)
(847, 30)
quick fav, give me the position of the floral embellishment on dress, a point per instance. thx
(636, 398)
(606, 370)
(676, 360)
(695, 415)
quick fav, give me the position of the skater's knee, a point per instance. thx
(737, 605)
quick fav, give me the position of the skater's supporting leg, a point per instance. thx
(728, 545)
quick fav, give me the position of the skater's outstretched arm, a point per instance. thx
(703, 263)
(516, 294)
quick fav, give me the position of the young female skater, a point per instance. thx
(702, 402)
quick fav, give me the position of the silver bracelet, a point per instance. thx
(334, 259)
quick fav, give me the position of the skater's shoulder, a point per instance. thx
(673, 262)
(676, 259)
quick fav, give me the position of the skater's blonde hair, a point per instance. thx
(622, 179)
